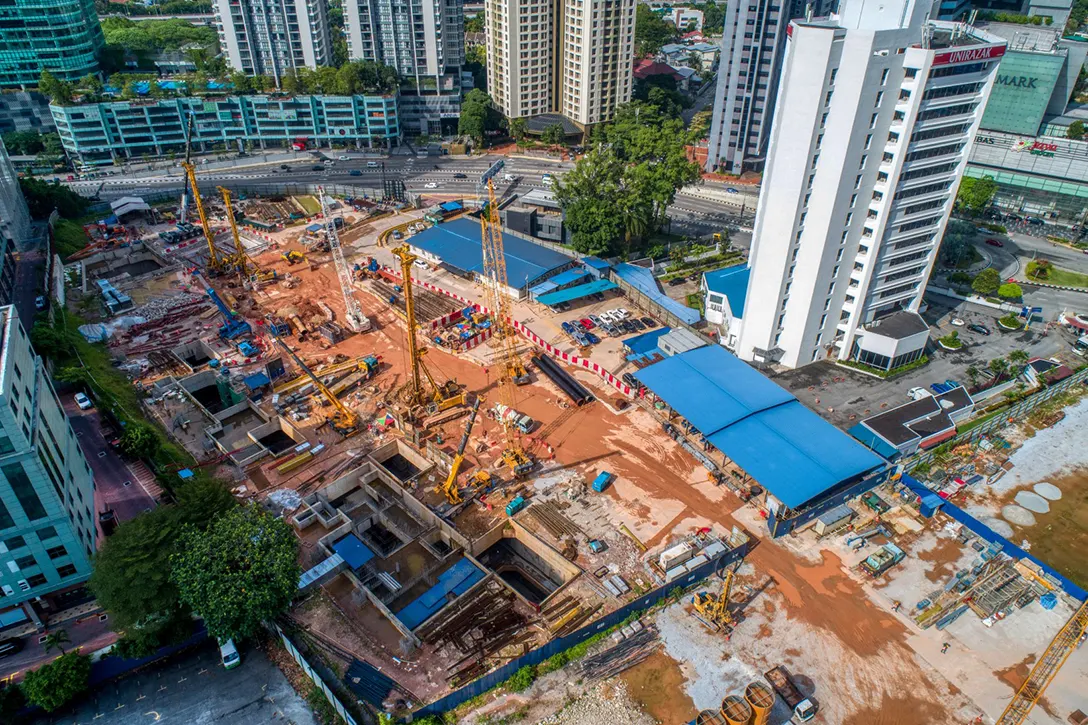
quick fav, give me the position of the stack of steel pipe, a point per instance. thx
(573, 389)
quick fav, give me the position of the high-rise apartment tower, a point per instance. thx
(273, 37)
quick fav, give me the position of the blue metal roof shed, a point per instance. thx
(643, 280)
(790, 450)
(458, 243)
(574, 293)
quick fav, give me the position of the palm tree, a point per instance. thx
(56, 640)
(1018, 357)
(998, 366)
(972, 374)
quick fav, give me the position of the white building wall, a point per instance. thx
(14, 215)
(420, 38)
(273, 37)
(824, 260)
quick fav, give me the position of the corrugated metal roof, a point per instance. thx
(790, 450)
(456, 580)
(732, 282)
(458, 244)
(643, 279)
(574, 293)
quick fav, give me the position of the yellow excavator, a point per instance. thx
(713, 609)
(450, 486)
(343, 420)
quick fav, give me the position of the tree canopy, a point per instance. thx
(617, 194)
(52, 686)
(42, 197)
(652, 31)
(240, 572)
(975, 195)
(956, 247)
(477, 116)
(1075, 131)
(475, 24)
(987, 282)
(149, 36)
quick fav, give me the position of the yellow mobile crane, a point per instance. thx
(239, 260)
(1057, 652)
(419, 399)
(450, 486)
(715, 608)
(513, 370)
(215, 264)
(344, 420)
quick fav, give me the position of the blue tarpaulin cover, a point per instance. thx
(453, 582)
(788, 449)
(353, 551)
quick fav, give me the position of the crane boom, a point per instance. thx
(1057, 652)
(353, 313)
(214, 263)
(344, 421)
(450, 486)
(241, 259)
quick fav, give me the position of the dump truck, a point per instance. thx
(519, 420)
(779, 678)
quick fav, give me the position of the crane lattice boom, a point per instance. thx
(214, 263)
(355, 318)
(345, 421)
(1057, 652)
(241, 260)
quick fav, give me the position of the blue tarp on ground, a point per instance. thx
(643, 280)
(646, 342)
(314, 228)
(458, 244)
(454, 581)
(732, 282)
(353, 551)
(789, 450)
(574, 293)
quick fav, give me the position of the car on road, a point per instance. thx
(995, 242)
(957, 322)
(649, 322)
(285, 167)
(9, 647)
(980, 329)
(1035, 220)
(317, 167)
(430, 185)
(731, 190)
(83, 401)
(39, 302)
(355, 172)
(372, 164)
(344, 158)
(546, 179)
(328, 162)
(460, 176)
(918, 393)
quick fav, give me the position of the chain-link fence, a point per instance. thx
(313, 675)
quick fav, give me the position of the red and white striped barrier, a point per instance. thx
(445, 320)
(552, 350)
(477, 340)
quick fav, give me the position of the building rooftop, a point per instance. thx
(899, 325)
(941, 34)
(540, 197)
(788, 449)
(1027, 38)
(458, 243)
(731, 282)
(917, 419)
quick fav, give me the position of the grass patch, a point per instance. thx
(1057, 276)
(309, 204)
(970, 259)
(951, 341)
(695, 301)
(69, 237)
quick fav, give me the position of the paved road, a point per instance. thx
(117, 486)
(29, 281)
(88, 632)
(194, 689)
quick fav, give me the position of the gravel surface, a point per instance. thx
(1050, 452)
(605, 703)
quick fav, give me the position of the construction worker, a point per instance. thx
(945, 646)
(895, 606)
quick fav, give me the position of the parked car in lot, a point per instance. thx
(629, 379)
(39, 302)
(918, 393)
(995, 242)
(595, 320)
(83, 401)
(580, 339)
(649, 322)
(623, 313)
(637, 324)
(592, 339)
(957, 322)
(611, 329)
(568, 328)
(564, 306)
(586, 323)
(676, 281)
(980, 329)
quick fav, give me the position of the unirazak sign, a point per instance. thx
(1018, 81)
(969, 55)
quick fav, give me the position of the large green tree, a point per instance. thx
(987, 282)
(52, 686)
(651, 30)
(956, 246)
(240, 572)
(131, 577)
(477, 116)
(42, 197)
(974, 195)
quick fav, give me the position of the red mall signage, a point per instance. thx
(968, 55)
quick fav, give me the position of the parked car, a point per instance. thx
(629, 379)
(595, 320)
(676, 281)
(995, 242)
(649, 322)
(39, 302)
(918, 393)
(957, 322)
(598, 296)
(83, 401)
(586, 323)
(229, 654)
(626, 326)
(637, 324)
(980, 329)
(564, 306)
(623, 313)
(580, 339)
(611, 329)
(568, 328)
(593, 339)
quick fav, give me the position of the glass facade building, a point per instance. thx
(47, 524)
(61, 36)
(97, 133)
(1022, 91)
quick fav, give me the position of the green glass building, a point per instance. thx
(61, 36)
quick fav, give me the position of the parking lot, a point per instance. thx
(844, 396)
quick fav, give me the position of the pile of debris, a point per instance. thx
(160, 307)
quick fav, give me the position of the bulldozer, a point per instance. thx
(713, 609)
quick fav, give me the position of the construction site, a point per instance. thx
(466, 491)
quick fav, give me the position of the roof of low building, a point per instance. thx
(899, 325)
(788, 449)
(920, 418)
(646, 69)
(732, 282)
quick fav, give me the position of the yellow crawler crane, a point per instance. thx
(215, 264)
(343, 420)
(450, 486)
(432, 398)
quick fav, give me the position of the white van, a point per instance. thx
(372, 164)
(229, 653)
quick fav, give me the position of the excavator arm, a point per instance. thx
(450, 486)
(345, 421)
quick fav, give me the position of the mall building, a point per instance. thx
(1022, 141)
